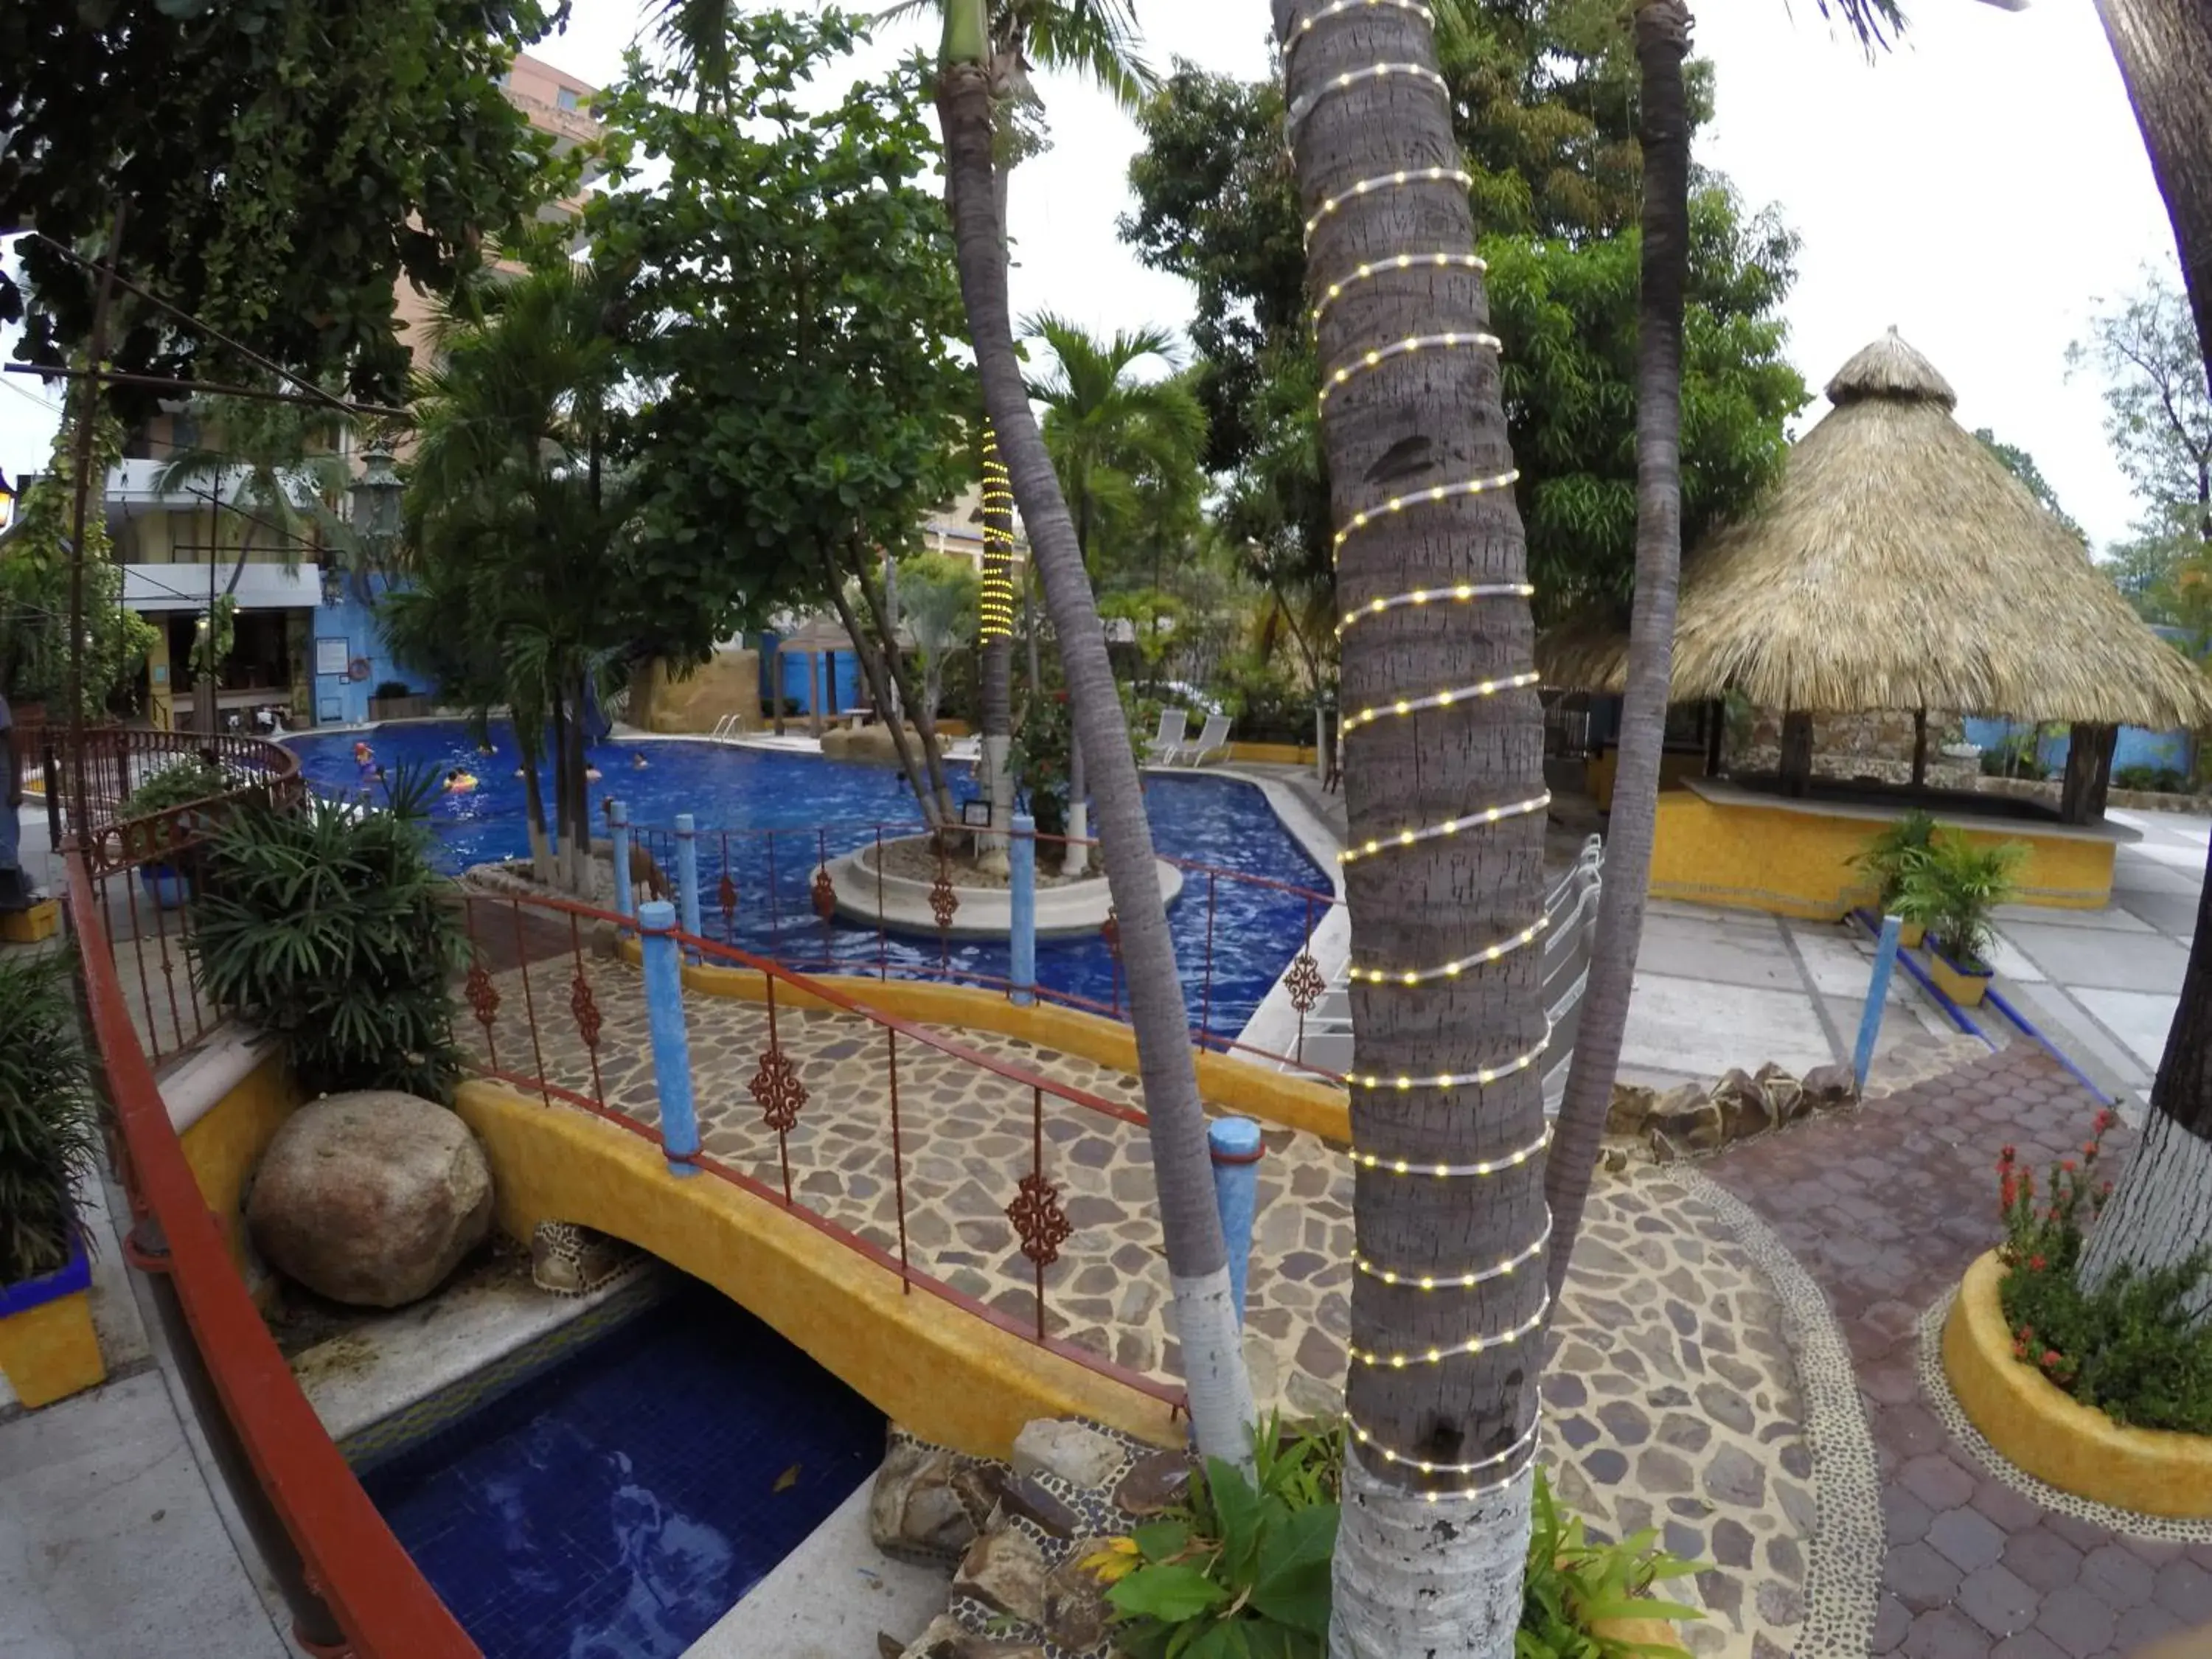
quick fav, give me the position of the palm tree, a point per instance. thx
(1662, 30)
(970, 68)
(2161, 1209)
(1106, 433)
(274, 467)
(515, 511)
(1443, 872)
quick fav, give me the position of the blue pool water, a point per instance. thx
(1208, 820)
(617, 1505)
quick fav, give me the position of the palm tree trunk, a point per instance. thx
(1447, 1106)
(1663, 41)
(881, 688)
(2159, 1212)
(579, 804)
(932, 753)
(541, 846)
(1221, 1392)
(1075, 857)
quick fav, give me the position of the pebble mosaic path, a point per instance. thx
(1672, 1396)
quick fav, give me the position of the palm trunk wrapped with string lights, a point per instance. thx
(995, 638)
(1443, 869)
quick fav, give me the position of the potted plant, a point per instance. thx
(49, 1142)
(148, 823)
(1888, 858)
(1957, 889)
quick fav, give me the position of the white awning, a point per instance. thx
(157, 587)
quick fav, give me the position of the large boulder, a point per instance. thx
(371, 1199)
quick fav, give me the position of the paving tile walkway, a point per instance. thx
(1885, 1209)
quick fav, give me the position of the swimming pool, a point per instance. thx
(814, 804)
(619, 1503)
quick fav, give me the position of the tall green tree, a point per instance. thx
(1124, 449)
(807, 408)
(2157, 412)
(283, 164)
(937, 609)
(2022, 464)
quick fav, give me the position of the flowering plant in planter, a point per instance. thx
(2131, 1347)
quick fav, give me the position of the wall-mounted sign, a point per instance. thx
(330, 657)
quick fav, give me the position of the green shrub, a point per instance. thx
(2131, 1348)
(49, 1133)
(179, 784)
(1039, 759)
(2154, 780)
(326, 927)
(1240, 1570)
(1573, 1583)
(2015, 756)
(1956, 889)
(1893, 853)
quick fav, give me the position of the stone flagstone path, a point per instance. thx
(1672, 1395)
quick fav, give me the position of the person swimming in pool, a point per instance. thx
(363, 756)
(637, 760)
(458, 782)
(592, 774)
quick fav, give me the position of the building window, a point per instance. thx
(568, 97)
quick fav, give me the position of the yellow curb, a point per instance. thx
(49, 1352)
(2053, 1437)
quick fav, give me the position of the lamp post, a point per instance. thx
(375, 501)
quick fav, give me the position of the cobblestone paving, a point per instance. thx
(1672, 1400)
(1885, 1208)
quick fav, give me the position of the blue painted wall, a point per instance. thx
(797, 676)
(339, 700)
(2136, 747)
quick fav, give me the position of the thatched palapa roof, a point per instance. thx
(1900, 565)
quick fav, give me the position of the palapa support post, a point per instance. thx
(2088, 772)
(671, 1042)
(618, 844)
(687, 874)
(1919, 747)
(1795, 771)
(1237, 1148)
(1021, 882)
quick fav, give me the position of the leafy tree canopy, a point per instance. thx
(2157, 413)
(805, 405)
(285, 162)
(2022, 464)
(1544, 111)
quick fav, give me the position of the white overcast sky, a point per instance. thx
(1980, 188)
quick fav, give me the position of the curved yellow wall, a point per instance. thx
(227, 1143)
(1791, 862)
(1235, 1085)
(946, 1374)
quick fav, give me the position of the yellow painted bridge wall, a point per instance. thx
(226, 1145)
(929, 1366)
(1790, 862)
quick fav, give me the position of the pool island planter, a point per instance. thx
(2053, 1437)
(1965, 986)
(900, 904)
(48, 1350)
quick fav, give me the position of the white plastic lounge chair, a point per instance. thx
(1212, 739)
(1173, 722)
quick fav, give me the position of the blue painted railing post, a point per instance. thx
(619, 837)
(1021, 884)
(1235, 1146)
(1885, 960)
(671, 1044)
(687, 874)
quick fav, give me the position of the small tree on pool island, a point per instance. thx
(2161, 1210)
(1443, 784)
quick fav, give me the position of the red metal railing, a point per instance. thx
(141, 869)
(535, 950)
(812, 936)
(346, 1555)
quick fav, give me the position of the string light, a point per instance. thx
(1458, 176)
(1438, 700)
(1360, 521)
(1450, 827)
(1404, 348)
(1404, 261)
(1504, 1269)
(1458, 593)
(1337, 8)
(995, 605)
(1474, 1345)
(1483, 1078)
(1305, 106)
(1527, 1443)
(1489, 1166)
(1491, 953)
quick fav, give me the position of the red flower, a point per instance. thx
(2105, 1119)
(2088, 1149)
(2007, 1155)
(2049, 1358)
(2067, 1165)
(2019, 1349)
(2104, 1191)
(2035, 1264)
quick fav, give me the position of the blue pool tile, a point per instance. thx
(618, 1504)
